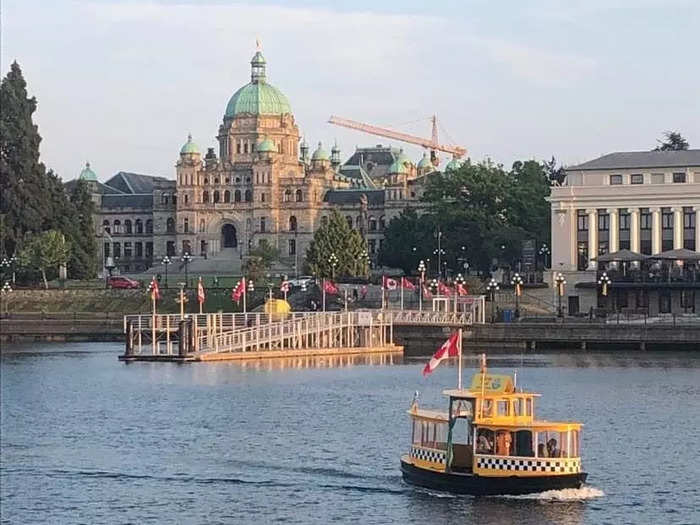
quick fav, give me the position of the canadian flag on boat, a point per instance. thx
(449, 348)
(461, 289)
(408, 285)
(200, 292)
(389, 283)
(427, 294)
(239, 290)
(329, 287)
(155, 291)
(444, 289)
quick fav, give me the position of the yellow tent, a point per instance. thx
(277, 308)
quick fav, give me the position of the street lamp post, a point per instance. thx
(6, 290)
(251, 289)
(186, 258)
(421, 270)
(459, 283)
(182, 299)
(517, 282)
(492, 288)
(560, 282)
(333, 261)
(9, 263)
(544, 252)
(604, 282)
(166, 261)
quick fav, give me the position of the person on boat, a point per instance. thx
(483, 445)
(541, 451)
(552, 450)
(503, 443)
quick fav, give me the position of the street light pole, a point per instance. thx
(166, 261)
(186, 258)
(517, 282)
(560, 282)
(492, 287)
(421, 269)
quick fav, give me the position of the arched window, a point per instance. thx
(117, 226)
(105, 226)
(205, 196)
(382, 222)
(174, 200)
(117, 248)
(226, 180)
(187, 200)
(248, 224)
(149, 225)
(300, 196)
(227, 196)
(206, 180)
(238, 180)
(138, 226)
(324, 220)
(292, 224)
(287, 195)
(237, 196)
(164, 198)
(186, 247)
(217, 196)
(202, 226)
(245, 147)
(349, 219)
(262, 224)
(262, 197)
(247, 180)
(170, 225)
(372, 224)
(186, 225)
(248, 195)
(216, 180)
(127, 227)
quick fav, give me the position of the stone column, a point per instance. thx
(655, 230)
(634, 230)
(677, 227)
(592, 237)
(613, 235)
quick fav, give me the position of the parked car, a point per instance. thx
(305, 280)
(120, 281)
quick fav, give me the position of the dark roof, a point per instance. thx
(374, 197)
(360, 177)
(642, 159)
(127, 182)
(142, 200)
(374, 161)
(96, 187)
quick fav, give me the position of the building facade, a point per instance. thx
(646, 202)
(261, 183)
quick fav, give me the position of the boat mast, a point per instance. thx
(459, 364)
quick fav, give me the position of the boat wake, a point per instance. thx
(584, 493)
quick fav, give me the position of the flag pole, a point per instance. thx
(459, 365)
(401, 293)
(153, 329)
(245, 293)
(324, 295)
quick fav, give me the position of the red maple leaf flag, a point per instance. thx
(449, 348)
(239, 290)
(408, 285)
(155, 291)
(330, 287)
(461, 289)
(388, 283)
(427, 294)
(200, 292)
(284, 287)
(443, 289)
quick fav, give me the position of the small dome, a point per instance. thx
(403, 158)
(87, 174)
(189, 147)
(320, 153)
(266, 146)
(425, 163)
(453, 165)
(397, 167)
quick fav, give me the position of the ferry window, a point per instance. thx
(503, 407)
(522, 445)
(484, 441)
(486, 408)
(503, 443)
(528, 407)
(564, 444)
(549, 444)
(517, 407)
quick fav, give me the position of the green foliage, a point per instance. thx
(260, 260)
(672, 141)
(47, 250)
(338, 238)
(408, 239)
(83, 260)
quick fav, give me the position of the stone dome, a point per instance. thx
(87, 174)
(320, 153)
(425, 163)
(266, 146)
(189, 147)
(258, 97)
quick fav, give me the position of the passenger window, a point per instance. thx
(503, 407)
(486, 408)
(484, 441)
(517, 407)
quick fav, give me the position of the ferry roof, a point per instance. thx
(469, 394)
(433, 415)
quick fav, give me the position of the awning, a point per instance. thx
(622, 256)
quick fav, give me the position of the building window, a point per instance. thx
(382, 223)
(582, 221)
(174, 199)
(186, 250)
(186, 225)
(372, 245)
(602, 247)
(217, 196)
(679, 177)
(292, 247)
(201, 225)
(248, 196)
(138, 225)
(170, 225)
(205, 196)
(170, 248)
(657, 178)
(615, 180)
(645, 220)
(292, 224)
(637, 178)
(127, 227)
(299, 196)
(237, 196)
(667, 219)
(372, 224)
(624, 221)
(149, 250)
(164, 199)
(287, 196)
(645, 246)
(117, 248)
(688, 301)
(262, 197)
(603, 222)
(245, 147)
(582, 255)
(106, 250)
(238, 147)
(139, 249)
(127, 249)
(105, 226)
(262, 224)
(227, 196)
(689, 219)
(117, 226)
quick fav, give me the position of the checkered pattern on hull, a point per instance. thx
(554, 465)
(423, 454)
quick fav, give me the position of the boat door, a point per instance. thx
(460, 445)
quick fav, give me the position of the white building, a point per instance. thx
(643, 201)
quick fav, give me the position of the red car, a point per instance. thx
(122, 282)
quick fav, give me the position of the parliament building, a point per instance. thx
(262, 183)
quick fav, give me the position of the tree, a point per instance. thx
(337, 237)
(528, 209)
(408, 239)
(23, 185)
(556, 174)
(45, 251)
(83, 260)
(672, 141)
(260, 260)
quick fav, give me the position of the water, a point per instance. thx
(86, 439)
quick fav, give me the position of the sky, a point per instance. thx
(122, 83)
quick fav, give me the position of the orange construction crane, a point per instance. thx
(431, 144)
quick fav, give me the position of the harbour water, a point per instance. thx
(86, 439)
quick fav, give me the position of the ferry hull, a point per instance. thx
(488, 486)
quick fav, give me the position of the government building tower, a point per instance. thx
(262, 183)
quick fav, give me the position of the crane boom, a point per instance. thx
(457, 151)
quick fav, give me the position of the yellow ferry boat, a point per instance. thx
(489, 442)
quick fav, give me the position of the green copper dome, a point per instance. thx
(266, 146)
(425, 163)
(189, 146)
(403, 159)
(453, 165)
(320, 153)
(87, 174)
(397, 167)
(258, 97)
